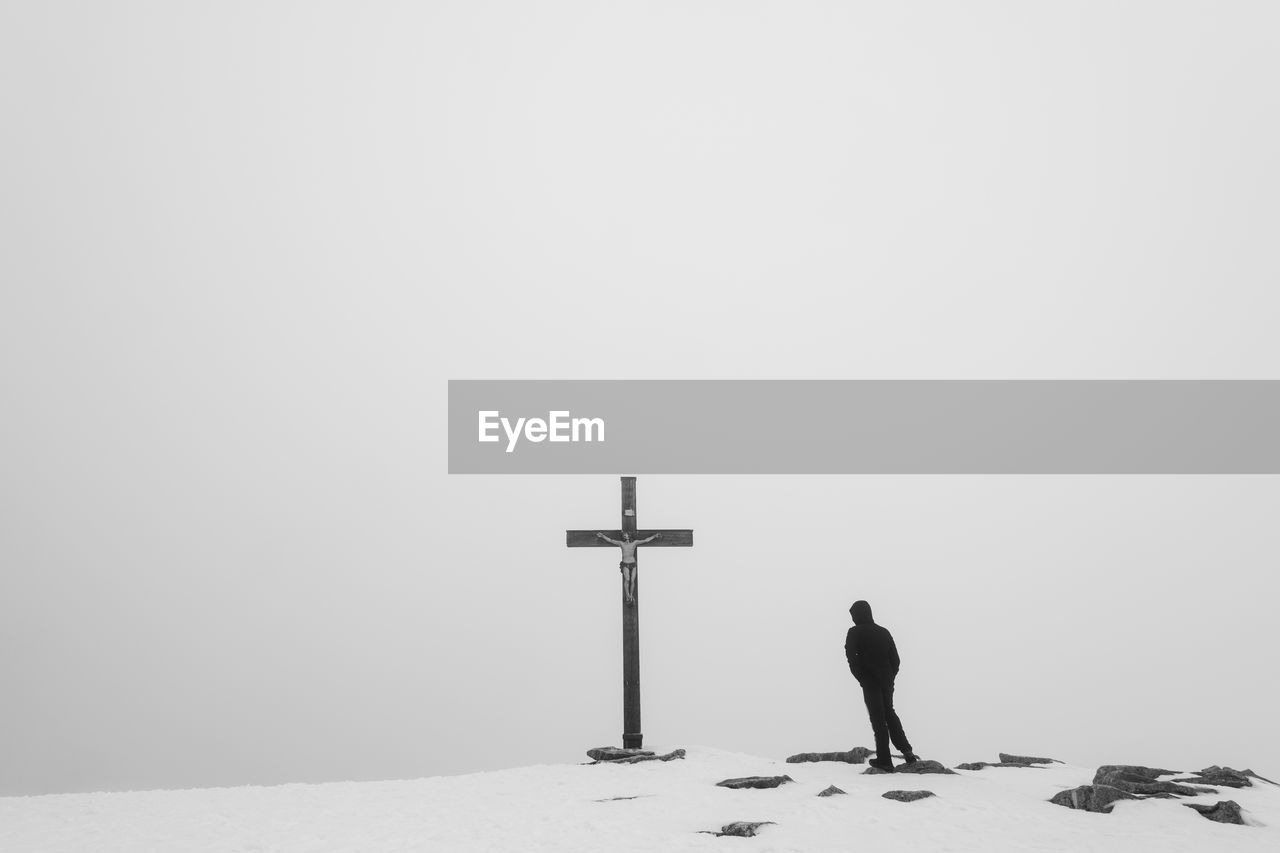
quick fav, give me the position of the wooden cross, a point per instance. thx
(632, 738)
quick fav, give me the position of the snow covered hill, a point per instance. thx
(651, 806)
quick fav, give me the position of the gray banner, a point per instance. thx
(864, 427)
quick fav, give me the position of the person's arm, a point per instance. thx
(894, 660)
(607, 539)
(650, 539)
(851, 653)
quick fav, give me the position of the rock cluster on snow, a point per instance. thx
(617, 755)
(1142, 780)
(1113, 782)
(1223, 776)
(857, 755)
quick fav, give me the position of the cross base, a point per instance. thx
(632, 740)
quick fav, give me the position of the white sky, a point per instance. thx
(246, 244)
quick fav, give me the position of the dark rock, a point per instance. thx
(1109, 776)
(875, 771)
(613, 753)
(978, 765)
(1139, 780)
(857, 755)
(907, 796)
(1249, 772)
(614, 799)
(638, 756)
(1091, 798)
(1007, 759)
(830, 790)
(1148, 773)
(1139, 785)
(1224, 776)
(670, 756)
(1223, 811)
(755, 782)
(743, 829)
(929, 766)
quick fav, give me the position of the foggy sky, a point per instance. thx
(246, 245)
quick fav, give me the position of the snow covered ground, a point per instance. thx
(567, 807)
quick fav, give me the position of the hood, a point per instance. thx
(861, 612)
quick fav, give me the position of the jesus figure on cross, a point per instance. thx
(628, 564)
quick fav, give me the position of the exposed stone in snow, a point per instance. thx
(1149, 772)
(1091, 798)
(1223, 811)
(755, 782)
(740, 828)
(1008, 758)
(1224, 776)
(915, 767)
(924, 767)
(1114, 782)
(614, 755)
(1131, 780)
(857, 755)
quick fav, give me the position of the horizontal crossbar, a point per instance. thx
(670, 538)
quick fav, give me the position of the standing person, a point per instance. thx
(873, 660)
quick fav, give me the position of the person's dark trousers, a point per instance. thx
(884, 720)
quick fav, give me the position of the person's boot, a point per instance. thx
(885, 764)
(910, 758)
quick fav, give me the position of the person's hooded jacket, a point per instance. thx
(872, 654)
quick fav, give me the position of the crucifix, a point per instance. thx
(629, 539)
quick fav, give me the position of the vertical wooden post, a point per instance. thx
(632, 736)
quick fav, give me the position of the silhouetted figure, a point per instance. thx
(873, 660)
